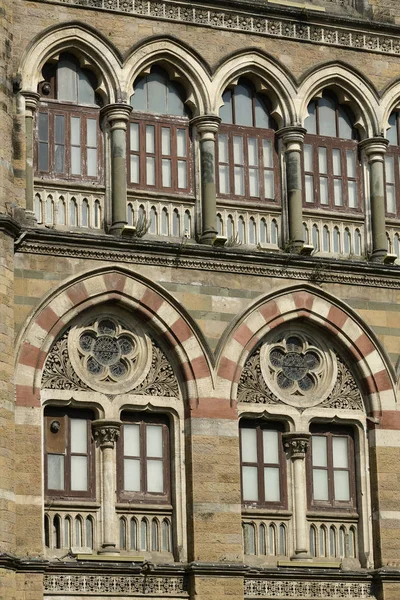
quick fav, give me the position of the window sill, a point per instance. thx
(78, 504)
(338, 514)
(143, 508)
(256, 204)
(248, 511)
(160, 195)
(69, 184)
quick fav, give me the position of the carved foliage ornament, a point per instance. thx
(263, 588)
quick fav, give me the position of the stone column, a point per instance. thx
(118, 118)
(375, 150)
(31, 104)
(293, 138)
(296, 446)
(207, 127)
(106, 433)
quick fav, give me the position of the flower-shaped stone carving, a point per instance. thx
(294, 365)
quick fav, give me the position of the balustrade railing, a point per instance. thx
(164, 218)
(66, 529)
(335, 237)
(65, 209)
(266, 537)
(249, 226)
(333, 538)
(145, 531)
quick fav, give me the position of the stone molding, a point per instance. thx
(296, 444)
(109, 585)
(249, 22)
(272, 588)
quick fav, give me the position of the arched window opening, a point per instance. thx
(133, 534)
(322, 541)
(347, 241)
(85, 213)
(73, 213)
(61, 217)
(246, 156)
(187, 224)
(97, 214)
(143, 535)
(166, 536)
(282, 539)
(342, 542)
(249, 538)
(332, 172)
(352, 542)
(122, 533)
(78, 532)
(313, 541)
(315, 238)
(263, 232)
(230, 228)
(155, 546)
(164, 222)
(262, 540)
(241, 230)
(392, 166)
(272, 539)
(252, 231)
(305, 234)
(274, 232)
(67, 532)
(220, 225)
(357, 242)
(332, 542)
(49, 210)
(176, 227)
(397, 245)
(89, 532)
(130, 214)
(326, 239)
(38, 209)
(336, 240)
(46, 531)
(388, 243)
(57, 532)
(153, 220)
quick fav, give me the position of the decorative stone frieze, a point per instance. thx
(273, 588)
(106, 585)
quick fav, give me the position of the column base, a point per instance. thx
(208, 237)
(117, 227)
(378, 256)
(30, 218)
(108, 548)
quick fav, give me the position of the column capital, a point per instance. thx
(375, 148)
(117, 115)
(106, 432)
(296, 444)
(31, 102)
(292, 137)
(207, 126)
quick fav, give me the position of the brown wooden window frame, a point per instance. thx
(393, 151)
(55, 108)
(173, 123)
(143, 496)
(259, 428)
(332, 504)
(58, 414)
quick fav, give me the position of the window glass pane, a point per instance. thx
(391, 133)
(131, 475)
(345, 124)
(225, 112)
(175, 106)
(322, 160)
(320, 484)
(150, 139)
(223, 179)
(323, 190)
(269, 184)
(309, 179)
(252, 149)
(261, 113)
(59, 159)
(66, 81)
(139, 99)
(55, 471)
(390, 199)
(310, 122)
(337, 167)
(223, 148)
(182, 175)
(134, 168)
(166, 173)
(341, 485)
(131, 440)
(243, 106)
(248, 441)
(79, 481)
(253, 182)
(91, 133)
(271, 484)
(155, 477)
(181, 142)
(59, 129)
(43, 156)
(337, 192)
(75, 160)
(352, 193)
(150, 170)
(85, 90)
(389, 169)
(134, 137)
(154, 441)
(91, 162)
(239, 181)
(157, 93)
(75, 131)
(267, 153)
(78, 436)
(166, 141)
(44, 127)
(319, 451)
(308, 157)
(340, 452)
(238, 149)
(351, 163)
(271, 446)
(85, 214)
(327, 116)
(250, 483)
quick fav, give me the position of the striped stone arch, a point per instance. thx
(140, 297)
(374, 369)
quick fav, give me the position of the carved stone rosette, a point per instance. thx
(296, 444)
(106, 432)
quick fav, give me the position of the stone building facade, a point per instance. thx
(199, 292)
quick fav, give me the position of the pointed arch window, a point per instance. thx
(332, 171)
(159, 142)
(68, 139)
(246, 156)
(392, 165)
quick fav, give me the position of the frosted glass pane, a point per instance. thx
(92, 162)
(391, 133)
(44, 127)
(261, 114)
(157, 93)
(320, 485)
(166, 172)
(341, 485)
(86, 93)
(345, 125)
(309, 180)
(248, 442)
(271, 484)
(223, 179)
(155, 477)
(223, 155)
(238, 149)
(250, 483)
(91, 133)
(43, 156)
(79, 481)
(337, 192)
(134, 168)
(150, 139)
(78, 436)
(181, 142)
(225, 112)
(239, 181)
(166, 141)
(59, 129)
(308, 157)
(310, 122)
(139, 98)
(75, 131)
(134, 137)
(322, 160)
(270, 446)
(327, 117)
(337, 167)
(131, 440)
(75, 160)
(390, 199)
(66, 81)
(267, 153)
(351, 163)
(150, 170)
(59, 159)
(253, 182)
(55, 471)
(243, 106)
(352, 192)
(182, 176)
(389, 169)
(175, 104)
(319, 451)
(323, 190)
(154, 441)
(340, 452)
(252, 149)
(269, 184)
(131, 475)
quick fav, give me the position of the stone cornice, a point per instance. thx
(276, 22)
(199, 257)
(9, 226)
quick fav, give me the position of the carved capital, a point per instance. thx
(296, 444)
(207, 126)
(31, 102)
(375, 148)
(292, 137)
(117, 115)
(106, 432)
